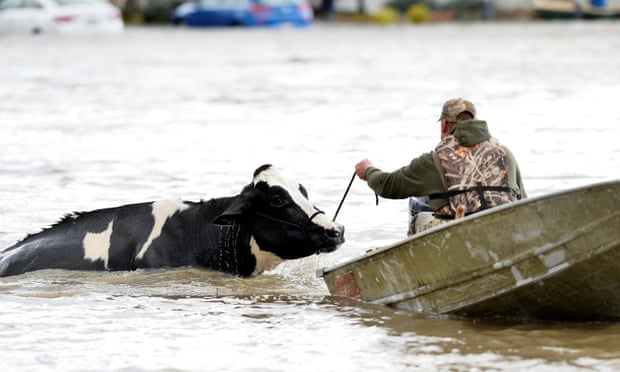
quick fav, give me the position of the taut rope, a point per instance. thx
(345, 195)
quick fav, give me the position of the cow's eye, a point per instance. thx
(277, 201)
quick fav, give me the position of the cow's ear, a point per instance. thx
(232, 215)
(235, 211)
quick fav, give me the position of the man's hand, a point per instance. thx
(361, 167)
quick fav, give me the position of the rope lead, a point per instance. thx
(344, 196)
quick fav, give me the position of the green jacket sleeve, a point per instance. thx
(419, 178)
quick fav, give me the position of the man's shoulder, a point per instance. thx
(421, 166)
(425, 158)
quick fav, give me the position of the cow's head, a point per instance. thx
(283, 220)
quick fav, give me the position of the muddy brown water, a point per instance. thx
(158, 113)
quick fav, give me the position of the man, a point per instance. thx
(469, 171)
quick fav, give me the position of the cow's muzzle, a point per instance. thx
(336, 235)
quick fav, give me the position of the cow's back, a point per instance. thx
(82, 241)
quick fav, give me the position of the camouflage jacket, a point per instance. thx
(475, 177)
(422, 178)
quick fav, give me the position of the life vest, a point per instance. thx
(474, 177)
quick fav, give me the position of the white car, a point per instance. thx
(59, 16)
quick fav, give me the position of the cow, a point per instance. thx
(269, 221)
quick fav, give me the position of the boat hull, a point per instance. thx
(553, 258)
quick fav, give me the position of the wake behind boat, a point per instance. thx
(553, 257)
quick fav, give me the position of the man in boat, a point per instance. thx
(468, 171)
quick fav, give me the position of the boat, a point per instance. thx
(572, 9)
(554, 257)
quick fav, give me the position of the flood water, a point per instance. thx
(160, 113)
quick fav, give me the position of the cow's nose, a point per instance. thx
(336, 232)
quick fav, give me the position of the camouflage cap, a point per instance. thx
(453, 107)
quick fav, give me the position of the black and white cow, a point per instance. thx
(271, 220)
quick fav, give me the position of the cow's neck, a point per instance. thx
(226, 257)
(233, 249)
(238, 253)
(265, 260)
